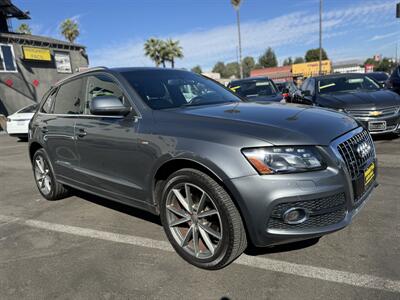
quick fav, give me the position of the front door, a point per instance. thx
(108, 145)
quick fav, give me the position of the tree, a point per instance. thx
(298, 60)
(172, 51)
(196, 69)
(384, 65)
(268, 59)
(24, 28)
(220, 68)
(152, 49)
(288, 61)
(313, 55)
(232, 69)
(248, 64)
(70, 30)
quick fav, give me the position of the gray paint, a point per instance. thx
(118, 157)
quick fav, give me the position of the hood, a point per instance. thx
(360, 100)
(273, 98)
(278, 124)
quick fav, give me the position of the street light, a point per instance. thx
(320, 37)
(236, 4)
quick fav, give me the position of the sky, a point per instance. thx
(114, 31)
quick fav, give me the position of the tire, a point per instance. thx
(45, 180)
(213, 218)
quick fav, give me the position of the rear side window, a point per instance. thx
(48, 104)
(101, 85)
(70, 98)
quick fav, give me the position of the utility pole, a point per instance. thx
(236, 4)
(320, 37)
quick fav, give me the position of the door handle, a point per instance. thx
(44, 129)
(81, 132)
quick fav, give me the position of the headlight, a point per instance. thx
(272, 160)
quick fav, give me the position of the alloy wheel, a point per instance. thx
(194, 220)
(42, 175)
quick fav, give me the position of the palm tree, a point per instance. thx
(70, 29)
(173, 50)
(24, 28)
(152, 49)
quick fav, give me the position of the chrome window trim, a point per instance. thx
(87, 116)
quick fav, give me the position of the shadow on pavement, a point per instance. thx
(254, 251)
(385, 137)
(123, 208)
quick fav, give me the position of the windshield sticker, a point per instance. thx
(355, 80)
(234, 88)
(326, 86)
(261, 83)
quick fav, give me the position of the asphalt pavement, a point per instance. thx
(86, 247)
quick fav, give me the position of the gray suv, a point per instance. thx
(220, 172)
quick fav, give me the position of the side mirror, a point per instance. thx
(108, 106)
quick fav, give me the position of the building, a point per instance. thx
(348, 66)
(293, 72)
(277, 74)
(29, 64)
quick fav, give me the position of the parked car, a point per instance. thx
(393, 82)
(375, 108)
(288, 90)
(220, 172)
(256, 89)
(380, 77)
(17, 123)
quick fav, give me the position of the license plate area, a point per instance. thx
(377, 125)
(364, 181)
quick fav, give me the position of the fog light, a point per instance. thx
(295, 215)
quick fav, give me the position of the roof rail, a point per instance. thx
(82, 72)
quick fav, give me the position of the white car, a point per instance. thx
(17, 123)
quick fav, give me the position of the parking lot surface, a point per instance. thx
(86, 247)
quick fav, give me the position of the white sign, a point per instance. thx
(63, 62)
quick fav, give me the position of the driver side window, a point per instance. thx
(102, 85)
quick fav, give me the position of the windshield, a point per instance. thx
(379, 76)
(256, 88)
(28, 109)
(346, 84)
(162, 89)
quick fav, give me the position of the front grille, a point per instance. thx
(323, 212)
(355, 161)
(368, 113)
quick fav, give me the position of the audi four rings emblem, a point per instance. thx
(363, 149)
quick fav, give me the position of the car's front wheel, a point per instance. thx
(201, 221)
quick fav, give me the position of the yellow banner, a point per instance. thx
(311, 68)
(34, 53)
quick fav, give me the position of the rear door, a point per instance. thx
(58, 127)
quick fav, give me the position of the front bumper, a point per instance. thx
(392, 124)
(259, 196)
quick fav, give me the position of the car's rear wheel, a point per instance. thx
(201, 221)
(45, 179)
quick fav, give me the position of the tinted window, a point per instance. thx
(47, 106)
(304, 85)
(28, 109)
(174, 88)
(69, 99)
(101, 85)
(346, 84)
(378, 76)
(254, 88)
